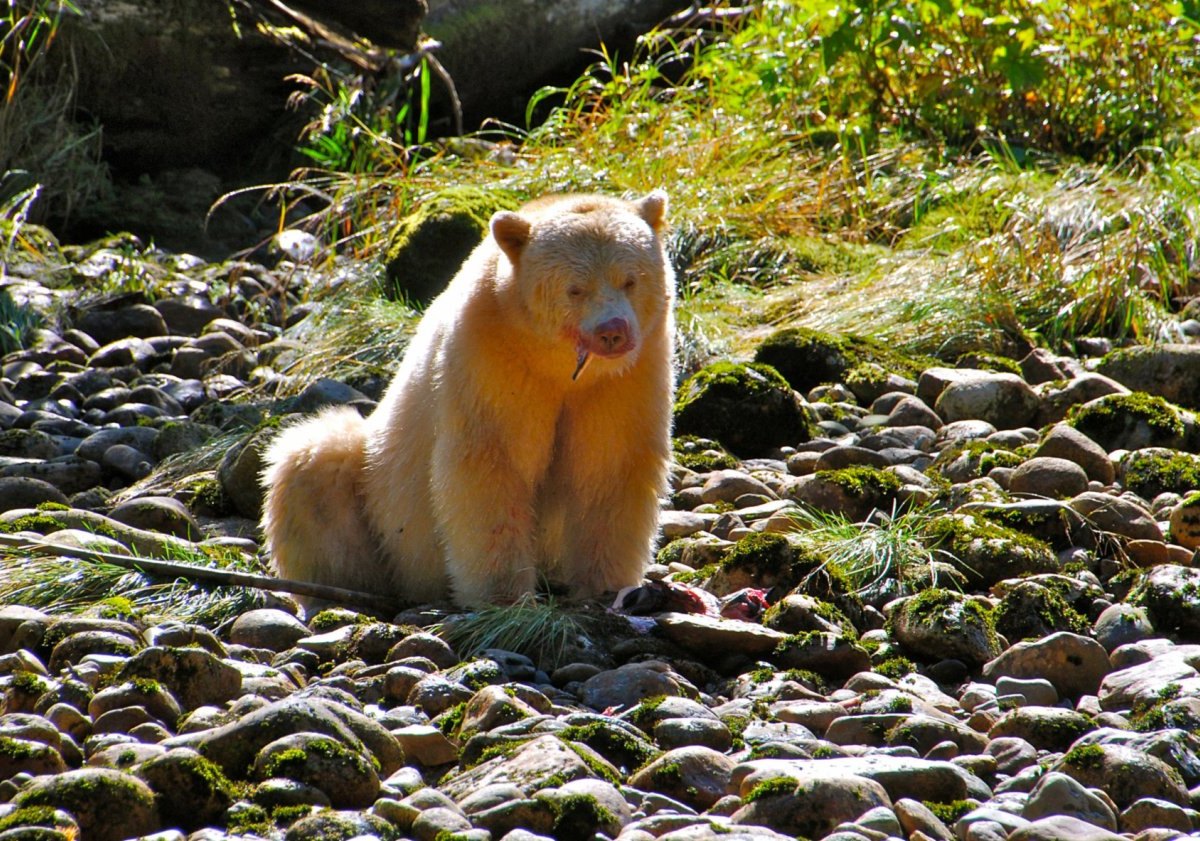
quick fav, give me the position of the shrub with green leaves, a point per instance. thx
(1094, 78)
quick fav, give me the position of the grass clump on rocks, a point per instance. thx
(540, 629)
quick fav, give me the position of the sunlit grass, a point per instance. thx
(892, 549)
(541, 629)
(64, 585)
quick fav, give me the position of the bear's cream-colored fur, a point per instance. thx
(526, 433)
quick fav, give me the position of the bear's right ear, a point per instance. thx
(653, 208)
(511, 232)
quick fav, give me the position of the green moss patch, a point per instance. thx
(1150, 472)
(862, 482)
(701, 454)
(749, 408)
(1133, 420)
(808, 358)
(988, 552)
(896, 668)
(1030, 611)
(431, 244)
(1089, 757)
(772, 788)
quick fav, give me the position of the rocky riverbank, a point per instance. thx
(895, 599)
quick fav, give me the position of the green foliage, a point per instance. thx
(362, 122)
(541, 630)
(46, 156)
(17, 323)
(1091, 78)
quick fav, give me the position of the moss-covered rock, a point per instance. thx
(108, 805)
(1049, 520)
(1185, 522)
(1170, 595)
(758, 560)
(331, 825)
(749, 408)
(430, 245)
(807, 358)
(1131, 422)
(1046, 728)
(835, 655)
(969, 460)
(995, 363)
(940, 624)
(1156, 470)
(190, 791)
(1029, 610)
(701, 454)
(240, 471)
(346, 775)
(1125, 773)
(622, 745)
(852, 492)
(987, 552)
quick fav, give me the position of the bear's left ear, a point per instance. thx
(511, 232)
(653, 208)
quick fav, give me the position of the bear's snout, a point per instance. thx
(611, 338)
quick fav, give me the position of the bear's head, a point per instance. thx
(591, 272)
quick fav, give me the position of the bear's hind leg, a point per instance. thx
(312, 514)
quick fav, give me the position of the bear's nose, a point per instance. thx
(612, 335)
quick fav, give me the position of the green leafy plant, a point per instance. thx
(364, 122)
(1093, 78)
(45, 155)
(30, 27)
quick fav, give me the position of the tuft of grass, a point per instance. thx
(1088, 251)
(886, 547)
(541, 629)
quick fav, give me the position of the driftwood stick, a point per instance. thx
(192, 572)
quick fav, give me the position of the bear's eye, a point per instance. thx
(575, 292)
(630, 282)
